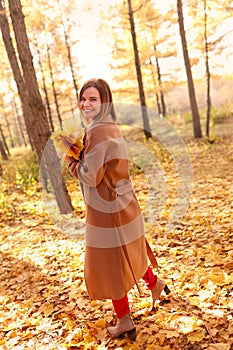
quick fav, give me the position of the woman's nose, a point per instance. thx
(86, 103)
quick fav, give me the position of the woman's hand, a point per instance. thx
(69, 159)
(71, 145)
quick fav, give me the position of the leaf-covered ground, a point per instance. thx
(43, 299)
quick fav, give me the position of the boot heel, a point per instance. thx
(131, 334)
(167, 290)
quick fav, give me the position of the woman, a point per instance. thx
(116, 249)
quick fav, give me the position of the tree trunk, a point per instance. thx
(22, 90)
(19, 121)
(192, 96)
(3, 153)
(45, 91)
(69, 56)
(145, 116)
(38, 109)
(6, 119)
(54, 89)
(160, 83)
(208, 98)
(4, 141)
(39, 127)
(71, 107)
(16, 129)
(155, 83)
(9, 131)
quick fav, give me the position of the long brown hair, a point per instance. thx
(107, 106)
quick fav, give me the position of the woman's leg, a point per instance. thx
(150, 278)
(124, 322)
(155, 285)
(121, 307)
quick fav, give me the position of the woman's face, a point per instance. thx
(90, 104)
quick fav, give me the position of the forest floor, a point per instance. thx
(43, 299)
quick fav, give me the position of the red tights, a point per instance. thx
(121, 306)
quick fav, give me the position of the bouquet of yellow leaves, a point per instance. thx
(70, 139)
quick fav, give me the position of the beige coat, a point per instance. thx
(116, 249)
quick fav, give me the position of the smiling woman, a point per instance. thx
(96, 101)
(90, 104)
(117, 252)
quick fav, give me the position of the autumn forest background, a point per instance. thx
(170, 66)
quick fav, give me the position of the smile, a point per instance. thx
(87, 110)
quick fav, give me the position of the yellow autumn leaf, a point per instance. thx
(197, 336)
(88, 338)
(70, 325)
(47, 309)
(167, 333)
(219, 346)
(166, 214)
(76, 335)
(101, 323)
(195, 301)
(12, 334)
(188, 324)
(151, 339)
(218, 276)
(69, 140)
(27, 335)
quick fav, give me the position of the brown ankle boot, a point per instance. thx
(156, 292)
(124, 325)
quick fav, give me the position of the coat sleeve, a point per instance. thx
(72, 165)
